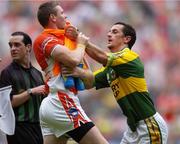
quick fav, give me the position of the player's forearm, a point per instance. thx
(96, 53)
(87, 78)
(84, 74)
(70, 58)
(78, 53)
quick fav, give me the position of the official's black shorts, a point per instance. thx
(26, 133)
(78, 133)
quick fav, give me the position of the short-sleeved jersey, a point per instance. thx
(125, 76)
(43, 47)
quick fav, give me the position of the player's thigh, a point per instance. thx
(51, 139)
(93, 136)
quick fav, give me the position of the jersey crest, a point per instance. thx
(111, 75)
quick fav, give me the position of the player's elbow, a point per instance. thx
(89, 86)
(76, 61)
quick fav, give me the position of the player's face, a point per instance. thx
(60, 17)
(116, 38)
(17, 48)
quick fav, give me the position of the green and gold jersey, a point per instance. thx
(125, 76)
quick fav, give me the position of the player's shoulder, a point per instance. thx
(123, 57)
(40, 37)
(126, 53)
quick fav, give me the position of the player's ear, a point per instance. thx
(52, 17)
(127, 39)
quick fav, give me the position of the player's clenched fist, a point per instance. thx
(71, 32)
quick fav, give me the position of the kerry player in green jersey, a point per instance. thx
(123, 71)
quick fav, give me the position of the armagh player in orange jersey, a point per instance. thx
(61, 114)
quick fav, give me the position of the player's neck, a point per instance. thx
(51, 26)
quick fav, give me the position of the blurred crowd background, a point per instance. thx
(157, 24)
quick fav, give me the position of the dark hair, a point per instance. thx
(26, 38)
(128, 31)
(45, 10)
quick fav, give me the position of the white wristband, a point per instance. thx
(79, 45)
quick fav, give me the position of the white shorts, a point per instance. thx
(3, 139)
(152, 130)
(60, 113)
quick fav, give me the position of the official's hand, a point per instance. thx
(39, 90)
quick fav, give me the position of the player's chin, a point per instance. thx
(109, 46)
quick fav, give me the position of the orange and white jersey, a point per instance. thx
(44, 45)
(60, 111)
(43, 48)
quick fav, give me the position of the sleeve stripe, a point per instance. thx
(56, 46)
(46, 43)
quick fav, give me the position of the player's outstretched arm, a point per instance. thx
(85, 75)
(97, 53)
